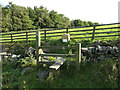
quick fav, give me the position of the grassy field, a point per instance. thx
(72, 32)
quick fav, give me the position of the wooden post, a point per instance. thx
(38, 40)
(45, 35)
(11, 38)
(93, 32)
(78, 56)
(67, 30)
(26, 37)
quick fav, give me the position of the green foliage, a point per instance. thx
(78, 22)
(15, 18)
(51, 58)
(91, 75)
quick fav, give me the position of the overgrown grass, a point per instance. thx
(91, 75)
(102, 74)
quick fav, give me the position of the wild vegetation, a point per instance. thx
(92, 74)
(95, 73)
(17, 18)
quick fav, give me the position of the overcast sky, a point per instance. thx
(102, 11)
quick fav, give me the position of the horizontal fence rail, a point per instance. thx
(58, 55)
(86, 32)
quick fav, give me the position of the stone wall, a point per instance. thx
(100, 52)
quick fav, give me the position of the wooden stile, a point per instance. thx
(78, 56)
(38, 45)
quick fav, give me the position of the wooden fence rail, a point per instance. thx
(92, 31)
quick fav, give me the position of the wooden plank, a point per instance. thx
(5, 42)
(55, 29)
(107, 32)
(5, 33)
(38, 40)
(107, 36)
(57, 55)
(58, 47)
(57, 64)
(107, 24)
(3, 53)
(84, 49)
(107, 28)
(78, 56)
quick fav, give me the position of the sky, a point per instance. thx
(101, 11)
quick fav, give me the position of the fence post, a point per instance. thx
(67, 30)
(93, 32)
(45, 35)
(38, 40)
(11, 38)
(78, 56)
(26, 37)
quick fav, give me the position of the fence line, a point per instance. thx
(25, 35)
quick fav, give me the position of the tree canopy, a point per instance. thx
(15, 18)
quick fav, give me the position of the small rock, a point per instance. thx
(115, 49)
(14, 56)
(43, 74)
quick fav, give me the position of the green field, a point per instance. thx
(74, 33)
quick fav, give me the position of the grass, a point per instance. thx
(91, 75)
(72, 36)
(102, 74)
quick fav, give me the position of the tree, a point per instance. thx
(6, 19)
(86, 23)
(90, 23)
